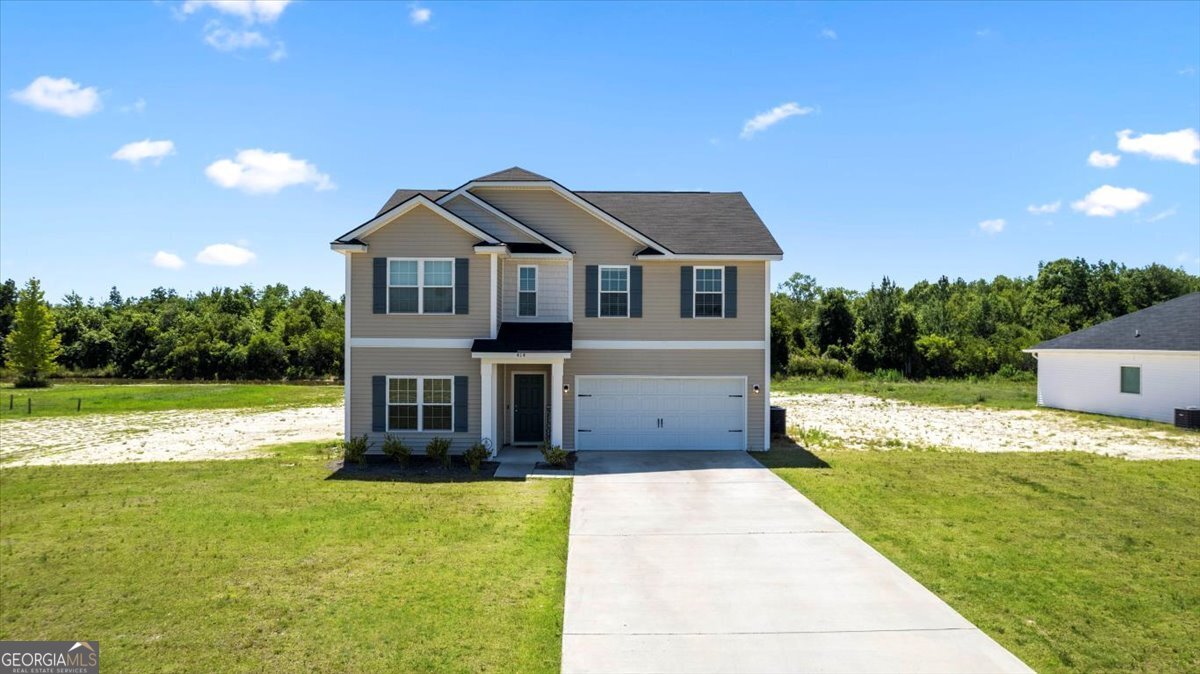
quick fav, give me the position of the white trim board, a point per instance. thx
(697, 345)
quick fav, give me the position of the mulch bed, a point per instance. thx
(418, 467)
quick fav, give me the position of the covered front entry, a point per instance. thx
(528, 407)
(636, 412)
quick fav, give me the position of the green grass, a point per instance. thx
(1075, 562)
(61, 400)
(996, 393)
(265, 565)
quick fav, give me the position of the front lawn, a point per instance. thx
(266, 565)
(72, 399)
(1075, 562)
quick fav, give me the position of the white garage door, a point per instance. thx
(660, 412)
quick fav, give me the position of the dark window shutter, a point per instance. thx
(379, 286)
(635, 291)
(591, 290)
(462, 287)
(731, 292)
(379, 403)
(685, 292)
(460, 404)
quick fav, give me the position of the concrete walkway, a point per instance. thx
(708, 562)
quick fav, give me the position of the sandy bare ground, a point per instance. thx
(193, 435)
(865, 422)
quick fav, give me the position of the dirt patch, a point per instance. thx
(864, 422)
(161, 436)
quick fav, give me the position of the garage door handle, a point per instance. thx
(584, 395)
(738, 430)
(735, 395)
(585, 430)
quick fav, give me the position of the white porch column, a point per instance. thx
(556, 402)
(487, 403)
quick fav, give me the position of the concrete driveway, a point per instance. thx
(708, 562)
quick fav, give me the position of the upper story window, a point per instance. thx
(614, 291)
(420, 403)
(1131, 379)
(709, 292)
(420, 286)
(527, 282)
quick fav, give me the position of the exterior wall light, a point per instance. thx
(566, 388)
(756, 389)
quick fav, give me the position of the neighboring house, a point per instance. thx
(1141, 365)
(515, 310)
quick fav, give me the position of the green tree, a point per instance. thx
(835, 320)
(32, 346)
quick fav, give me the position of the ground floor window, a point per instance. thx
(1131, 379)
(420, 403)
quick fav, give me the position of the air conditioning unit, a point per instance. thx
(1188, 417)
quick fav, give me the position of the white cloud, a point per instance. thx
(829, 33)
(225, 39)
(419, 15)
(1180, 146)
(1187, 71)
(983, 32)
(1162, 215)
(765, 120)
(992, 226)
(167, 260)
(1044, 209)
(260, 172)
(1103, 160)
(250, 11)
(1107, 201)
(225, 255)
(279, 53)
(59, 95)
(137, 151)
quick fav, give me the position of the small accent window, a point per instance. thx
(420, 403)
(420, 286)
(527, 291)
(1131, 379)
(614, 291)
(709, 292)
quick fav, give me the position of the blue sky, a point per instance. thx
(913, 124)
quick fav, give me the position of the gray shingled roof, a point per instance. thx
(401, 196)
(513, 173)
(695, 223)
(1173, 325)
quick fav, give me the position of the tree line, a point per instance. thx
(223, 334)
(955, 328)
(941, 328)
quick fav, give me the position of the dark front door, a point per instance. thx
(529, 407)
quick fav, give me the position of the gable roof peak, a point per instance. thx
(513, 174)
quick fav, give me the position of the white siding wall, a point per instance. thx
(1090, 381)
(551, 291)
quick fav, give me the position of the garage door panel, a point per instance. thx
(624, 412)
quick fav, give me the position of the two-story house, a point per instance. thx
(516, 310)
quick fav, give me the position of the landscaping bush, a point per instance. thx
(887, 375)
(395, 448)
(477, 454)
(816, 366)
(438, 449)
(354, 449)
(837, 352)
(554, 455)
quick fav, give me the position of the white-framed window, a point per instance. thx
(614, 291)
(527, 282)
(708, 292)
(420, 285)
(1131, 379)
(420, 403)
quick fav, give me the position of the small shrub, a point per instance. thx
(554, 455)
(438, 449)
(355, 448)
(477, 454)
(395, 448)
(817, 366)
(888, 375)
(837, 352)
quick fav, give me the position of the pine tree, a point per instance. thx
(32, 345)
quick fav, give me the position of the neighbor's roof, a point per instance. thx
(686, 223)
(1173, 325)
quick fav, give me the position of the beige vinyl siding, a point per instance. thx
(365, 363)
(419, 233)
(472, 213)
(650, 363)
(596, 242)
(551, 290)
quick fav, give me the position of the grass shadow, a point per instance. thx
(786, 453)
(418, 469)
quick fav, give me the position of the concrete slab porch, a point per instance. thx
(708, 562)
